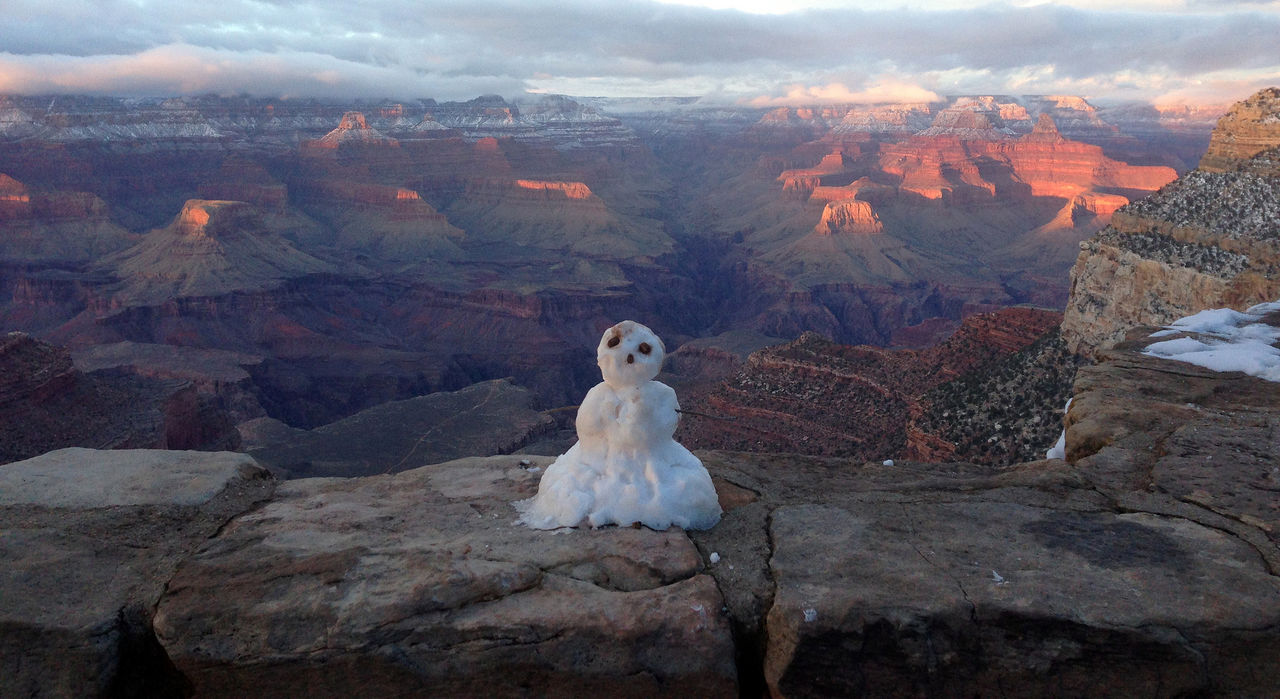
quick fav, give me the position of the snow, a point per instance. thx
(1230, 341)
(714, 558)
(625, 467)
(1059, 448)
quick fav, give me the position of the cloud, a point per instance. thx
(880, 92)
(182, 69)
(414, 48)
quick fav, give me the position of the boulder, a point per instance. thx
(423, 582)
(88, 539)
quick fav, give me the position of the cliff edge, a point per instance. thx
(1209, 239)
(1149, 559)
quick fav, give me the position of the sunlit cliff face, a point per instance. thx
(570, 190)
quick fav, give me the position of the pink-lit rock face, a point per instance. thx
(1043, 163)
(1248, 129)
(354, 129)
(1099, 204)
(15, 201)
(569, 190)
(194, 218)
(849, 217)
(861, 188)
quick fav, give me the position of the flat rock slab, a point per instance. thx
(87, 540)
(1147, 566)
(423, 583)
(1000, 598)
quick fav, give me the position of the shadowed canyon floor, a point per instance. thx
(1147, 560)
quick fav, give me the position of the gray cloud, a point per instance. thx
(451, 49)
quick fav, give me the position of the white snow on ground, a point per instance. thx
(1059, 448)
(1230, 341)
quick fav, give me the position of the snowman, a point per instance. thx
(625, 467)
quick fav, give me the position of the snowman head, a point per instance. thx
(629, 354)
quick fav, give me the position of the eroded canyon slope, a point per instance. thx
(985, 394)
(363, 253)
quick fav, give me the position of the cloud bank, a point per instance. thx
(455, 50)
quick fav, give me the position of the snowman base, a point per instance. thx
(627, 467)
(575, 492)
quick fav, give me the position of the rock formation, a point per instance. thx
(848, 217)
(46, 403)
(354, 130)
(812, 396)
(1207, 240)
(1147, 562)
(55, 226)
(90, 540)
(210, 248)
(554, 216)
(1250, 127)
(382, 272)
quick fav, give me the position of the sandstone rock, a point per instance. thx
(849, 217)
(1146, 564)
(1250, 127)
(1205, 440)
(1207, 240)
(423, 582)
(89, 539)
(492, 417)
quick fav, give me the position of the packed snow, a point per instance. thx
(626, 467)
(1059, 448)
(1230, 341)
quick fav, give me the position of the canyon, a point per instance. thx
(360, 253)
(1144, 558)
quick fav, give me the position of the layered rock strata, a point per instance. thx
(1208, 240)
(210, 248)
(1249, 128)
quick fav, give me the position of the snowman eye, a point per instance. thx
(645, 348)
(613, 341)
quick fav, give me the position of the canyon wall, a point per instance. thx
(1208, 240)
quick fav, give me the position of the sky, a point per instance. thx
(758, 52)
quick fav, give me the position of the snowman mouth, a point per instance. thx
(631, 359)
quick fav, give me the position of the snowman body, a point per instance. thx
(626, 466)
